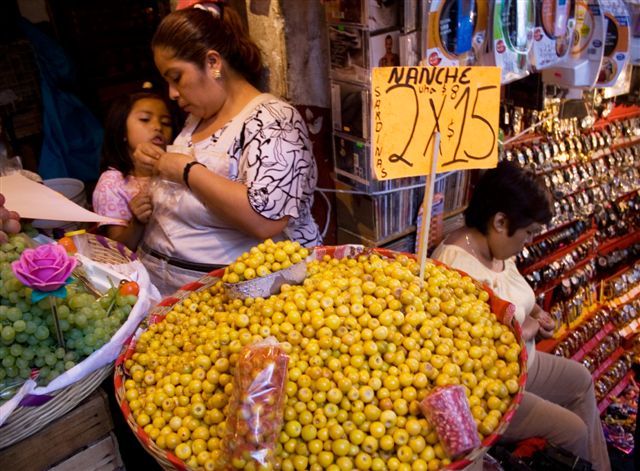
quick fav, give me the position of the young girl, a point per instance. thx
(122, 192)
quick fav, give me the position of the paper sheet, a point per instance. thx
(35, 201)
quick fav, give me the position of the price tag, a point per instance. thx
(411, 104)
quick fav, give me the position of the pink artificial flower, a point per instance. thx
(45, 268)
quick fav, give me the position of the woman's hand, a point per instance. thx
(547, 325)
(170, 166)
(9, 221)
(141, 206)
(146, 156)
(530, 328)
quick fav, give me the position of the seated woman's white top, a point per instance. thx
(508, 284)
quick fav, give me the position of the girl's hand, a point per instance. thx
(146, 156)
(530, 328)
(171, 165)
(141, 206)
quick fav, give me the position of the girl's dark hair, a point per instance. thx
(192, 32)
(510, 190)
(115, 148)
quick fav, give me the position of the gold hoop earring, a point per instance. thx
(217, 74)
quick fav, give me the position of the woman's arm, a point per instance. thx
(230, 200)
(227, 199)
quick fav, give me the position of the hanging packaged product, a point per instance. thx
(456, 32)
(581, 67)
(616, 42)
(553, 34)
(634, 13)
(512, 36)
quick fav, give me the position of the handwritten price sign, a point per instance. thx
(410, 104)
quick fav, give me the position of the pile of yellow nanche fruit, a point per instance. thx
(264, 259)
(366, 342)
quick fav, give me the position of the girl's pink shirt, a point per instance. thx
(113, 193)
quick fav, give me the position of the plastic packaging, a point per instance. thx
(616, 43)
(169, 192)
(456, 33)
(582, 65)
(512, 32)
(447, 409)
(256, 406)
(553, 33)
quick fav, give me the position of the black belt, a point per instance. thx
(180, 263)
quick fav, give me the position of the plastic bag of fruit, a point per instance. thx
(447, 408)
(256, 406)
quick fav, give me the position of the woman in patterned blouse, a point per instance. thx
(240, 171)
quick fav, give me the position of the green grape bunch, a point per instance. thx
(27, 330)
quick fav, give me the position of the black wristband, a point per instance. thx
(187, 169)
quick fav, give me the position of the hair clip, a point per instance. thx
(212, 8)
(215, 7)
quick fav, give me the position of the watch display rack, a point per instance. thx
(584, 267)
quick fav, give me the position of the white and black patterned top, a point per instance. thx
(273, 157)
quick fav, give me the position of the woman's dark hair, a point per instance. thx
(115, 148)
(510, 190)
(192, 32)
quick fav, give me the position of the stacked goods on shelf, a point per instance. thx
(55, 350)
(376, 219)
(454, 186)
(365, 34)
(599, 340)
(365, 345)
(594, 177)
(583, 267)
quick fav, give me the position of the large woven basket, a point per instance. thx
(27, 420)
(168, 461)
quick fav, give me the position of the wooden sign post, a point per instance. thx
(428, 120)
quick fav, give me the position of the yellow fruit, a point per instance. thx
(366, 343)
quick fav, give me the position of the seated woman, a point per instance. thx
(507, 209)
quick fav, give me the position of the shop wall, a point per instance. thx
(307, 87)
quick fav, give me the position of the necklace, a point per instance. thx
(495, 264)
